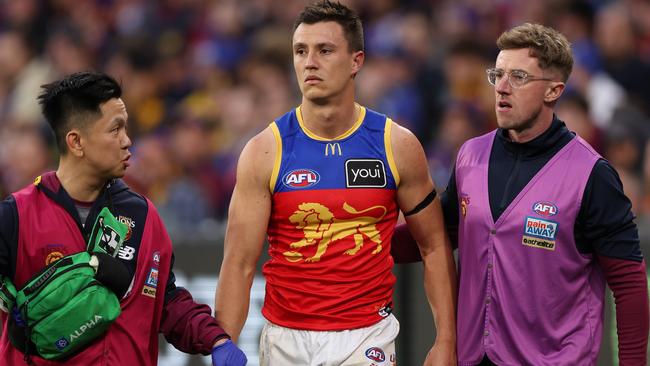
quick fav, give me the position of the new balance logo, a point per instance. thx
(126, 253)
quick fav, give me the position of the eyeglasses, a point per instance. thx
(516, 78)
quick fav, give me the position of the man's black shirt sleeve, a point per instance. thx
(8, 237)
(605, 223)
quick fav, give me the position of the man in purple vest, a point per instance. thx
(53, 218)
(541, 224)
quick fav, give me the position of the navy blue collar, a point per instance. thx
(547, 142)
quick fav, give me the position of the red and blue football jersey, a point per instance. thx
(333, 215)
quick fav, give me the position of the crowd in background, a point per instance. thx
(201, 77)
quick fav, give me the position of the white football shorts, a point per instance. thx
(369, 346)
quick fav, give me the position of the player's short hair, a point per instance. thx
(330, 11)
(549, 46)
(74, 102)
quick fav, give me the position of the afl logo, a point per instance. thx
(376, 354)
(545, 208)
(301, 178)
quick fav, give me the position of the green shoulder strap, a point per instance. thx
(108, 234)
(7, 294)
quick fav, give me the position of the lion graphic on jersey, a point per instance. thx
(321, 228)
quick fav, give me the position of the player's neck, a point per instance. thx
(329, 120)
(80, 186)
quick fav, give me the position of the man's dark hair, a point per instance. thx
(328, 11)
(75, 100)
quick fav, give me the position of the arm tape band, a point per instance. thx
(422, 205)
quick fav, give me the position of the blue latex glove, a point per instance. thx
(228, 354)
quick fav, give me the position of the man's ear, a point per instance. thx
(554, 91)
(73, 141)
(357, 61)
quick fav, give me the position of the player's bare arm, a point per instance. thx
(248, 216)
(425, 222)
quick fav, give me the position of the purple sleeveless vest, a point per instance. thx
(527, 296)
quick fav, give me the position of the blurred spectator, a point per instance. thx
(616, 38)
(22, 73)
(198, 192)
(624, 145)
(389, 86)
(464, 70)
(151, 168)
(460, 122)
(224, 42)
(24, 154)
(29, 17)
(576, 20)
(203, 76)
(67, 52)
(573, 109)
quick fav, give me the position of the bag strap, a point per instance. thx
(7, 294)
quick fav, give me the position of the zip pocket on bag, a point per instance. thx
(74, 325)
(51, 286)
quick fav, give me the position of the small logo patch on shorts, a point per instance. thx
(385, 310)
(376, 354)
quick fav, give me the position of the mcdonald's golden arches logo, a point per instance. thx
(333, 148)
